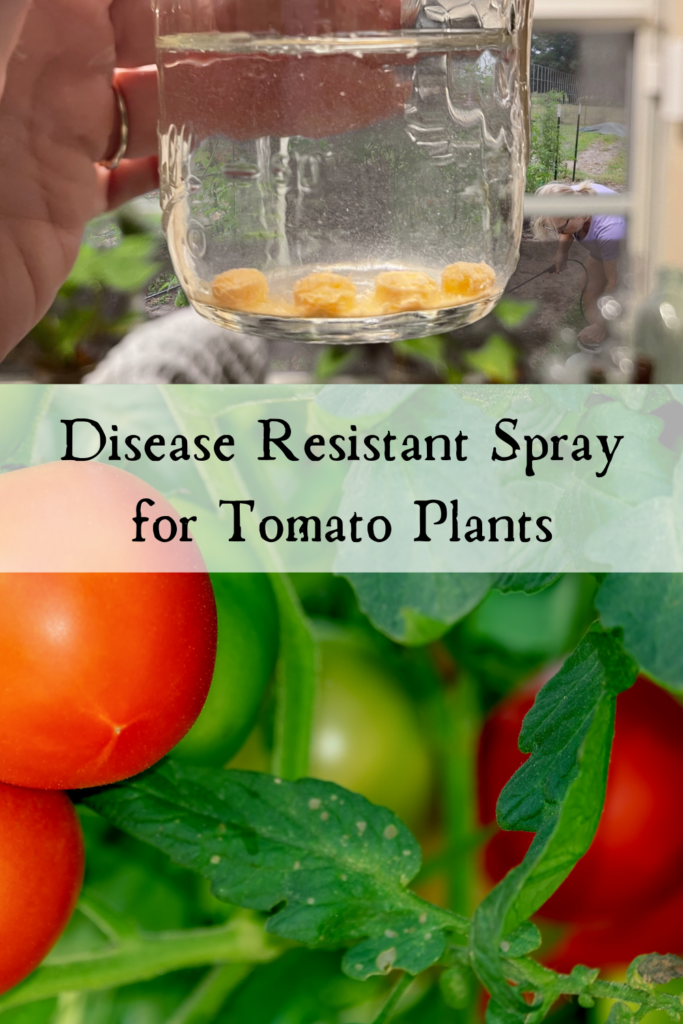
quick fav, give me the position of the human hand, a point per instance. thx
(12, 17)
(560, 263)
(593, 335)
(58, 118)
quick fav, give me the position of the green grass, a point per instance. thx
(616, 173)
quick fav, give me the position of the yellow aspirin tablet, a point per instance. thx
(243, 289)
(324, 295)
(468, 281)
(277, 306)
(402, 290)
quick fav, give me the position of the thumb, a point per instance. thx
(12, 17)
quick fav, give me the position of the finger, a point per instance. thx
(133, 22)
(139, 90)
(130, 179)
(12, 17)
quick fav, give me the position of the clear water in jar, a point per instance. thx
(358, 157)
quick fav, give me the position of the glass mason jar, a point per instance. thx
(343, 170)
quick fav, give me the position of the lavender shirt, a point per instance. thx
(606, 233)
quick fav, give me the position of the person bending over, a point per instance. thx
(602, 236)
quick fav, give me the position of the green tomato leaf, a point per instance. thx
(529, 582)
(496, 359)
(524, 939)
(621, 1013)
(649, 609)
(416, 608)
(333, 867)
(654, 969)
(429, 350)
(126, 267)
(558, 793)
(513, 312)
(497, 1014)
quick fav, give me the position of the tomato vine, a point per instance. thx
(309, 863)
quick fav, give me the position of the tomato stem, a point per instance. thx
(296, 679)
(392, 1002)
(142, 956)
(210, 995)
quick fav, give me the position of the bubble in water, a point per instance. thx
(196, 239)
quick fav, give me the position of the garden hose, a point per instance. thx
(551, 270)
(164, 291)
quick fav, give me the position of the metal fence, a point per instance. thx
(544, 80)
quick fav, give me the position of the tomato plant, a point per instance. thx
(321, 918)
(41, 869)
(102, 673)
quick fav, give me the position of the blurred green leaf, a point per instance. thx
(429, 350)
(512, 313)
(649, 609)
(496, 360)
(126, 267)
(333, 359)
(416, 608)
(302, 987)
(528, 582)
(511, 635)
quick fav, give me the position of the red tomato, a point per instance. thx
(41, 870)
(78, 517)
(637, 853)
(102, 673)
(658, 929)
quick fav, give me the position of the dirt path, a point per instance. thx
(595, 160)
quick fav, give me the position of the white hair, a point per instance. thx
(543, 227)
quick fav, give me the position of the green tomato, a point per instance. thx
(366, 733)
(245, 658)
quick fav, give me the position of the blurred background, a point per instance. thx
(607, 106)
(430, 732)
